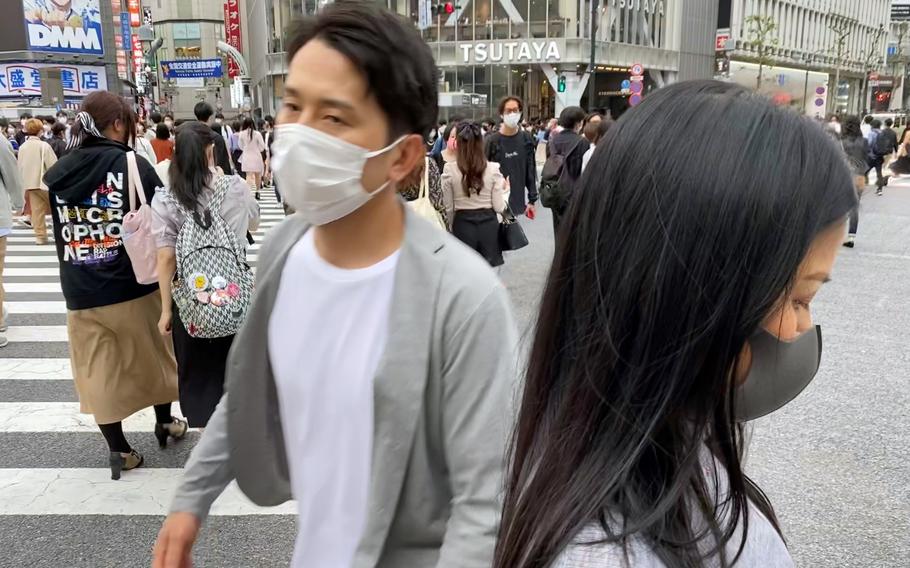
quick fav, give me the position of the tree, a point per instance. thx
(763, 39)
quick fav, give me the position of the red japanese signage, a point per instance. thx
(134, 8)
(232, 33)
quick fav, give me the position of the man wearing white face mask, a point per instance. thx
(378, 364)
(514, 149)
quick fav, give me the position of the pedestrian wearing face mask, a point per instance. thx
(665, 326)
(514, 149)
(378, 358)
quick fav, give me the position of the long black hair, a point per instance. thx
(472, 163)
(248, 126)
(190, 171)
(851, 127)
(673, 251)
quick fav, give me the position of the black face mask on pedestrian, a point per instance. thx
(780, 371)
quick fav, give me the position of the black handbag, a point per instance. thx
(511, 235)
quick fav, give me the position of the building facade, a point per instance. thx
(537, 49)
(797, 50)
(75, 39)
(188, 67)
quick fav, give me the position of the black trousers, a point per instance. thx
(200, 372)
(479, 229)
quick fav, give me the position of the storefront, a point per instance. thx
(49, 61)
(539, 50)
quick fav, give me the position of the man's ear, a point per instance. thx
(411, 151)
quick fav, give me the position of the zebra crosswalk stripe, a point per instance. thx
(39, 408)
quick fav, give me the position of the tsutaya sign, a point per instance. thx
(510, 51)
(643, 5)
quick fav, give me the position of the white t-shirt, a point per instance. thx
(327, 333)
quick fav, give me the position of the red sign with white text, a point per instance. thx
(232, 33)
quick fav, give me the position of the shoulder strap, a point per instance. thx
(134, 180)
(220, 188)
(425, 182)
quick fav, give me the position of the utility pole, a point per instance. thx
(591, 87)
(841, 26)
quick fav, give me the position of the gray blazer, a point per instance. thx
(443, 395)
(11, 192)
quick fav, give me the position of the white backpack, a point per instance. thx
(213, 287)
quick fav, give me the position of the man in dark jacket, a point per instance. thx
(884, 144)
(572, 146)
(515, 152)
(204, 113)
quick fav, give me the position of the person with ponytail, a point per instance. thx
(120, 362)
(191, 179)
(476, 191)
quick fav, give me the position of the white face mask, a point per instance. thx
(512, 119)
(320, 175)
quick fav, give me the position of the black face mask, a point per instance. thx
(780, 371)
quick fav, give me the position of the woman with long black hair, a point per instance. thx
(251, 146)
(677, 308)
(476, 191)
(194, 183)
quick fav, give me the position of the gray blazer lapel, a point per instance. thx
(401, 379)
(258, 455)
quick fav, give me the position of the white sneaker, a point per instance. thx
(3, 341)
(4, 326)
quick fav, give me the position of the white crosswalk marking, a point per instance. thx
(38, 400)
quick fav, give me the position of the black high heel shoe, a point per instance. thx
(124, 462)
(176, 429)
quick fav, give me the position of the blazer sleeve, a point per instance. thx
(208, 471)
(479, 378)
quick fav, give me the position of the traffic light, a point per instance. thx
(445, 8)
(561, 85)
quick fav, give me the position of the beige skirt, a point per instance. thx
(121, 363)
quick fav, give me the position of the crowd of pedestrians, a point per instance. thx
(373, 375)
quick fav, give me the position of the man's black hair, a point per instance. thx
(25, 115)
(571, 117)
(868, 119)
(203, 111)
(889, 123)
(876, 123)
(155, 117)
(4, 123)
(219, 115)
(505, 100)
(396, 63)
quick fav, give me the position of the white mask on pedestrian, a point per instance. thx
(512, 119)
(320, 175)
